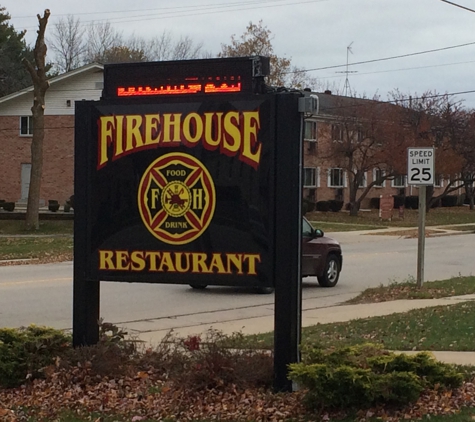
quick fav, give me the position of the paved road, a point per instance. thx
(42, 294)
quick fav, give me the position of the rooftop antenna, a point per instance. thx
(347, 87)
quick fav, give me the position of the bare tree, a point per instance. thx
(437, 120)
(69, 44)
(37, 72)
(164, 48)
(101, 37)
(364, 135)
(184, 49)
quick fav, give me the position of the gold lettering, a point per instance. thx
(232, 132)
(133, 134)
(199, 263)
(171, 122)
(152, 257)
(236, 260)
(217, 262)
(119, 136)
(230, 148)
(167, 261)
(192, 120)
(105, 260)
(197, 199)
(122, 260)
(155, 197)
(251, 126)
(252, 259)
(179, 261)
(151, 127)
(137, 261)
(106, 135)
(213, 123)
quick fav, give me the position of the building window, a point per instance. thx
(363, 182)
(399, 181)
(360, 135)
(310, 131)
(337, 133)
(439, 181)
(335, 178)
(26, 125)
(309, 177)
(378, 175)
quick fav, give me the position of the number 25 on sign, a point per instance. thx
(420, 166)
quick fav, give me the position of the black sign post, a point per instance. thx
(288, 195)
(189, 173)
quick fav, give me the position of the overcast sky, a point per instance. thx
(314, 34)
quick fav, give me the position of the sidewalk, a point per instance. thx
(145, 332)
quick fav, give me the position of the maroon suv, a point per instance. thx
(321, 256)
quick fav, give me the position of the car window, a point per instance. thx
(306, 228)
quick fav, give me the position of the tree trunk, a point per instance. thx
(33, 204)
(354, 208)
(40, 85)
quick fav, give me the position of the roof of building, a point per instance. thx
(80, 70)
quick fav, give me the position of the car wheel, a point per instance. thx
(198, 286)
(330, 276)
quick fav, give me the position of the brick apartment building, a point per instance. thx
(84, 83)
(323, 179)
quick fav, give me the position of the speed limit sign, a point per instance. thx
(420, 166)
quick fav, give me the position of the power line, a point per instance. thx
(198, 10)
(402, 69)
(458, 5)
(385, 58)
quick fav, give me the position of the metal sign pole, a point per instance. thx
(421, 235)
(420, 172)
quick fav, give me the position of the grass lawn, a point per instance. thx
(15, 227)
(341, 221)
(54, 241)
(444, 328)
(46, 249)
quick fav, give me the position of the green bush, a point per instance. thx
(307, 206)
(374, 203)
(25, 351)
(323, 206)
(8, 206)
(399, 201)
(412, 202)
(449, 201)
(422, 364)
(335, 205)
(367, 375)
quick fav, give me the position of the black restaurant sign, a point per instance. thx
(180, 192)
(185, 172)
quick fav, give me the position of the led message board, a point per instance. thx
(190, 77)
